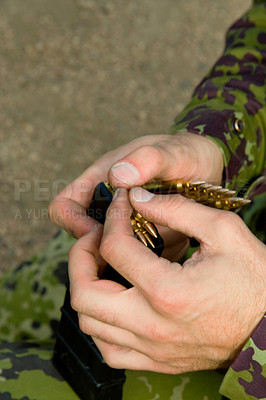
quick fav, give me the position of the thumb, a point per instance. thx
(178, 213)
(184, 156)
(147, 162)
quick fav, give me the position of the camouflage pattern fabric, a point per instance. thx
(32, 293)
(249, 369)
(229, 107)
(31, 296)
(28, 374)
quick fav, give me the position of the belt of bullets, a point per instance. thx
(200, 191)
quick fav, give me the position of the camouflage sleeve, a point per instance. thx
(246, 378)
(228, 106)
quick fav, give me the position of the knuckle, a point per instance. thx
(152, 152)
(226, 223)
(157, 355)
(163, 353)
(51, 209)
(72, 251)
(220, 355)
(162, 357)
(110, 357)
(163, 296)
(83, 324)
(75, 300)
(55, 210)
(168, 303)
(174, 203)
(169, 207)
(162, 301)
(108, 246)
(157, 334)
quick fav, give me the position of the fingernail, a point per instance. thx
(116, 193)
(95, 227)
(141, 194)
(125, 173)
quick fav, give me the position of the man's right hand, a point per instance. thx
(182, 156)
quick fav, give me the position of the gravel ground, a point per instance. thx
(80, 77)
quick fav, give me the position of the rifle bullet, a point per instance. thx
(146, 224)
(141, 237)
(138, 231)
(149, 239)
(200, 191)
(151, 229)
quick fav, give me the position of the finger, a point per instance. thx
(178, 213)
(104, 300)
(137, 263)
(71, 216)
(85, 251)
(108, 333)
(142, 344)
(68, 209)
(170, 157)
(143, 164)
(124, 358)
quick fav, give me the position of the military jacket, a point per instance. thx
(229, 107)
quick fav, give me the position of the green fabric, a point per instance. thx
(217, 102)
(31, 294)
(27, 371)
(27, 323)
(238, 384)
(234, 89)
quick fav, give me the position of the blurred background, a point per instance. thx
(80, 77)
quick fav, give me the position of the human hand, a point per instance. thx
(183, 156)
(175, 318)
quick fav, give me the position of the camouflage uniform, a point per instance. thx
(229, 107)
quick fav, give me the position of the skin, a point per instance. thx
(176, 318)
(184, 156)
